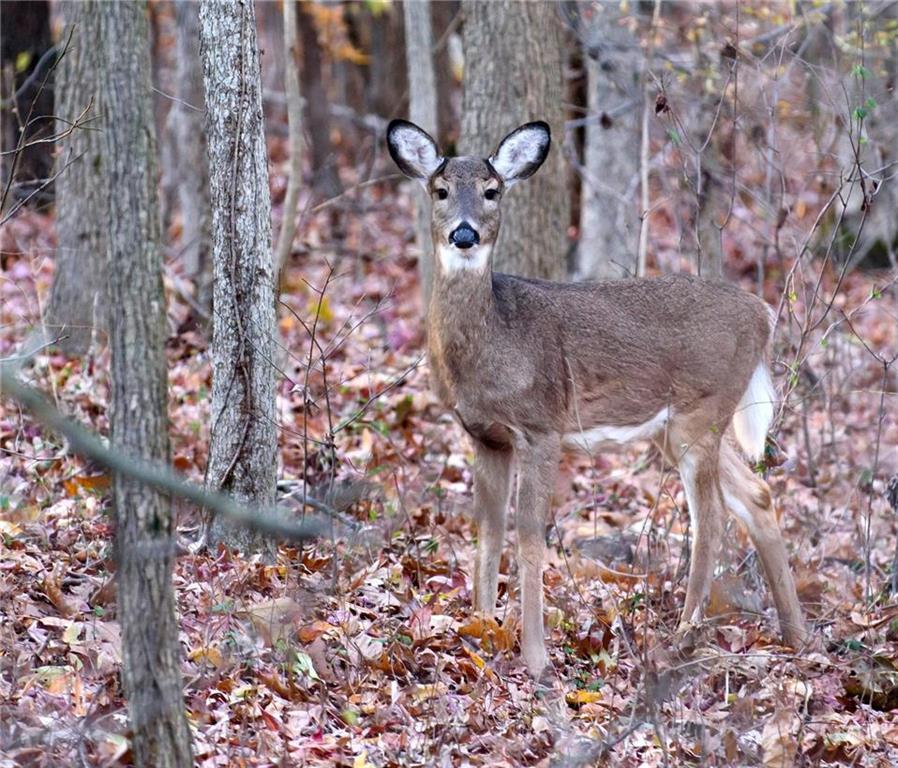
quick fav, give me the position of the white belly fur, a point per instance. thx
(595, 437)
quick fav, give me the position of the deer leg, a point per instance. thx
(492, 488)
(538, 464)
(747, 496)
(699, 470)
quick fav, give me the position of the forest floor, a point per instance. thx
(362, 650)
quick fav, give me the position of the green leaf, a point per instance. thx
(859, 70)
(303, 666)
(674, 135)
(23, 60)
(859, 113)
(870, 103)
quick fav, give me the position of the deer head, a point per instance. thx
(466, 192)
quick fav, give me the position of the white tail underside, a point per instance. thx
(754, 413)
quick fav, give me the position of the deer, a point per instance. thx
(531, 368)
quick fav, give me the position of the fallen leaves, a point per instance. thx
(52, 588)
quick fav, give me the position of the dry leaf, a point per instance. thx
(778, 740)
(51, 587)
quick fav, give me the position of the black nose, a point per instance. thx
(464, 236)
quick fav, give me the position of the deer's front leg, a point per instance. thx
(538, 459)
(492, 488)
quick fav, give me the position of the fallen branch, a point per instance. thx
(271, 522)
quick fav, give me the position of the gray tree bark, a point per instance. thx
(294, 122)
(423, 112)
(80, 189)
(190, 163)
(513, 75)
(243, 450)
(609, 209)
(139, 424)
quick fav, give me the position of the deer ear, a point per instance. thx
(522, 152)
(413, 150)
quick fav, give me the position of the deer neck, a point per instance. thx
(462, 306)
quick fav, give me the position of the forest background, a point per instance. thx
(172, 171)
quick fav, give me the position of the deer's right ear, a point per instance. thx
(413, 150)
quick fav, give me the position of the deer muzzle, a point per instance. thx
(464, 236)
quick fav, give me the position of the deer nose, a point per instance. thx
(464, 236)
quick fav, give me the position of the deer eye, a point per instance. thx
(491, 194)
(442, 193)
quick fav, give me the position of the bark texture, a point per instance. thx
(81, 189)
(139, 425)
(513, 75)
(294, 123)
(423, 112)
(609, 212)
(190, 162)
(243, 450)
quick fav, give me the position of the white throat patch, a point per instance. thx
(454, 259)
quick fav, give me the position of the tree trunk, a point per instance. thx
(609, 210)
(81, 220)
(386, 71)
(442, 15)
(294, 125)
(243, 450)
(324, 167)
(191, 165)
(423, 111)
(513, 75)
(139, 425)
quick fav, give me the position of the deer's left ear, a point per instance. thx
(521, 153)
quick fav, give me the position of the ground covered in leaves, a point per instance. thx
(362, 650)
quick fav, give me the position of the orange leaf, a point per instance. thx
(182, 463)
(311, 632)
(97, 483)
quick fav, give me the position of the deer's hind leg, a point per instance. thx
(493, 467)
(698, 462)
(747, 496)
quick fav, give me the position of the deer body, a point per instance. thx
(578, 358)
(531, 367)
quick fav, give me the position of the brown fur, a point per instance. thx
(524, 362)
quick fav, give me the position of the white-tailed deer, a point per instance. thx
(530, 367)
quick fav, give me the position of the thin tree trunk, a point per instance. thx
(442, 15)
(609, 210)
(243, 450)
(191, 164)
(294, 123)
(324, 168)
(81, 189)
(386, 69)
(139, 425)
(423, 111)
(513, 75)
